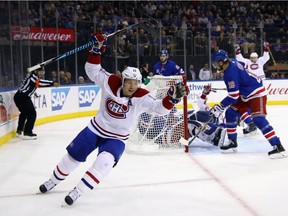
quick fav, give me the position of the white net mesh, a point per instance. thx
(158, 134)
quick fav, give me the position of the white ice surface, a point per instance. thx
(201, 183)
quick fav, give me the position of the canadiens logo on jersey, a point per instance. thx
(115, 109)
(254, 66)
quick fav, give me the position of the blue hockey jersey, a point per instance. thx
(169, 69)
(240, 83)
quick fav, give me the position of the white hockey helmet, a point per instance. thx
(131, 73)
(253, 55)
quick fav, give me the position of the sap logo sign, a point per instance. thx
(87, 95)
(58, 98)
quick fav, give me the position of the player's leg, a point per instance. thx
(258, 113)
(110, 151)
(62, 170)
(245, 117)
(78, 150)
(231, 115)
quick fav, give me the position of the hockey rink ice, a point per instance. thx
(203, 182)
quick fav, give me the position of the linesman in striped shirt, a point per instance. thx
(23, 101)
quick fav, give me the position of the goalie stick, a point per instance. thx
(201, 129)
(64, 55)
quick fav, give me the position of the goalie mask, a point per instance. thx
(132, 73)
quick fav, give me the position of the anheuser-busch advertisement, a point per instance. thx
(46, 34)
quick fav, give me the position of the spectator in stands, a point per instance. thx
(81, 80)
(144, 71)
(54, 76)
(205, 73)
(282, 75)
(278, 50)
(68, 77)
(203, 20)
(121, 45)
(167, 43)
(150, 8)
(131, 42)
(251, 38)
(218, 75)
(63, 79)
(192, 72)
(201, 44)
(144, 43)
(274, 75)
(244, 43)
(109, 28)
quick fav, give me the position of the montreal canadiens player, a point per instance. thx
(245, 91)
(254, 65)
(122, 102)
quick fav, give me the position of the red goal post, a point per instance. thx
(161, 134)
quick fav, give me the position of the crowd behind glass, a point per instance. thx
(188, 30)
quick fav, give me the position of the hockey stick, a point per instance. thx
(201, 129)
(215, 89)
(64, 55)
(270, 53)
(274, 62)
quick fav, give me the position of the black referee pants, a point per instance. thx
(27, 115)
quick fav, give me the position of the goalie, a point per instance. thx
(167, 130)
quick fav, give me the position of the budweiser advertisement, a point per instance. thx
(46, 34)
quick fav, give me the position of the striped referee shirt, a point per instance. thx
(31, 83)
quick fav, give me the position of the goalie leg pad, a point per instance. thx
(219, 137)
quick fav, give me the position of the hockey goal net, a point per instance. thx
(160, 134)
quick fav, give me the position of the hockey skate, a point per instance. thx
(219, 137)
(72, 196)
(231, 146)
(251, 129)
(277, 152)
(47, 186)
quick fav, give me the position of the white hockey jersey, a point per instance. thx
(256, 68)
(117, 116)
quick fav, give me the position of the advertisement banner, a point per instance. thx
(277, 90)
(46, 34)
(8, 109)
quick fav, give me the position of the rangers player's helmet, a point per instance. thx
(219, 56)
(132, 73)
(164, 52)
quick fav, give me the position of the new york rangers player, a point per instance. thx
(245, 90)
(166, 67)
(122, 102)
(254, 65)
